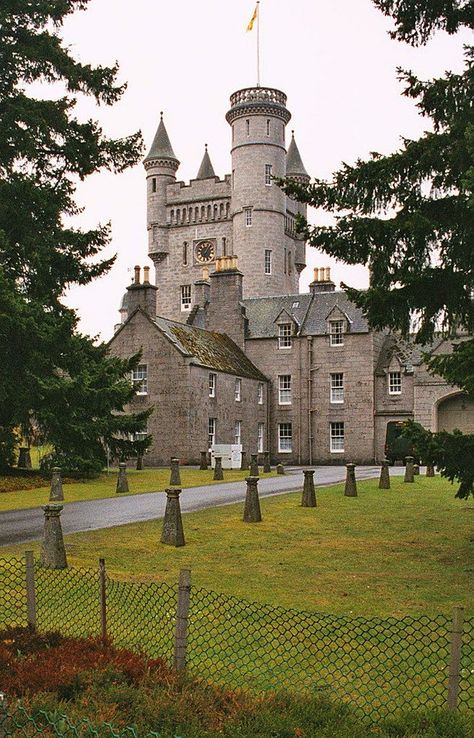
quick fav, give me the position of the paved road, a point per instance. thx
(21, 526)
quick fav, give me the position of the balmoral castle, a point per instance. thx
(232, 352)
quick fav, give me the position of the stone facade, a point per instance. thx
(228, 343)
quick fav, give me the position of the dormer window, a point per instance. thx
(284, 336)
(336, 333)
(394, 383)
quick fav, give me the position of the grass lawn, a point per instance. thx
(407, 550)
(148, 480)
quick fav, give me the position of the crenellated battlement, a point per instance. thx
(198, 189)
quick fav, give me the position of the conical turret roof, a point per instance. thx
(206, 169)
(161, 147)
(294, 163)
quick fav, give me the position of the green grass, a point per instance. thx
(148, 480)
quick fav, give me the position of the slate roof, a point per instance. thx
(161, 147)
(206, 170)
(208, 349)
(294, 163)
(409, 353)
(309, 311)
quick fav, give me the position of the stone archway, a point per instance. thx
(455, 411)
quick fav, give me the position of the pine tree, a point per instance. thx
(409, 216)
(51, 377)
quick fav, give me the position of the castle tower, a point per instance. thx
(160, 165)
(262, 237)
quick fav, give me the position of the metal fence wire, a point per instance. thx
(380, 665)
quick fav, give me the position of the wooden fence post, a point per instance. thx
(455, 658)
(103, 600)
(30, 590)
(181, 634)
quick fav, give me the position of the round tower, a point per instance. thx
(258, 116)
(160, 165)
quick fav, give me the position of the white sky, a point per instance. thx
(333, 58)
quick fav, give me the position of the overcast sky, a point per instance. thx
(333, 58)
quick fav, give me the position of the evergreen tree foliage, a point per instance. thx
(51, 377)
(409, 216)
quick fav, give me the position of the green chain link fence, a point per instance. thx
(381, 665)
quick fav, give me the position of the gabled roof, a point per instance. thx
(408, 353)
(206, 170)
(294, 163)
(161, 147)
(309, 311)
(208, 349)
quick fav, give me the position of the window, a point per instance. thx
(238, 390)
(212, 384)
(268, 126)
(224, 247)
(285, 435)
(289, 262)
(260, 431)
(237, 431)
(284, 335)
(268, 174)
(337, 387)
(186, 297)
(153, 184)
(140, 379)
(141, 435)
(336, 333)
(185, 253)
(268, 261)
(212, 432)
(336, 438)
(260, 393)
(248, 216)
(247, 125)
(394, 383)
(284, 261)
(284, 389)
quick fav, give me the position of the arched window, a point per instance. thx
(183, 215)
(215, 212)
(224, 246)
(172, 216)
(203, 212)
(190, 214)
(209, 212)
(178, 215)
(196, 213)
(221, 210)
(227, 209)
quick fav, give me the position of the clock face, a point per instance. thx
(205, 251)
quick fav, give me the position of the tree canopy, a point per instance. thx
(52, 378)
(409, 216)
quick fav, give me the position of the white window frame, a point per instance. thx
(336, 388)
(248, 217)
(140, 379)
(395, 383)
(238, 390)
(238, 432)
(260, 437)
(260, 393)
(267, 261)
(186, 297)
(336, 437)
(285, 438)
(212, 384)
(284, 389)
(211, 431)
(268, 175)
(285, 340)
(336, 332)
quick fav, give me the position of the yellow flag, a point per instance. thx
(252, 19)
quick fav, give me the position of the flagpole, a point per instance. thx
(258, 43)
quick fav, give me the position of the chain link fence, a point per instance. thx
(381, 665)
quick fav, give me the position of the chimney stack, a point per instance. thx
(322, 281)
(142, 295)
(225, 313)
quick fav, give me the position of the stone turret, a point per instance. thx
(258, 116)
(296, 170)
(160, 165)
(206, 170)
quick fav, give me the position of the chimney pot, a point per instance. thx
(327, 275)
(146, 274)
(137, 275)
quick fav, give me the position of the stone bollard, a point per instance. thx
(218, 473)
(175, 478)
(254, 465)
(309, 494)
(243, 461)
(384, 481)
(409, 473)
(350, 489)
(139, 465)
(172, 533)
(416, 470)
(24, 459)
(280, 469)
(430, 472)
(53, 553)
(122, 480)
(266, 462)
(56, 493)
(252, 512)
(203, 464)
